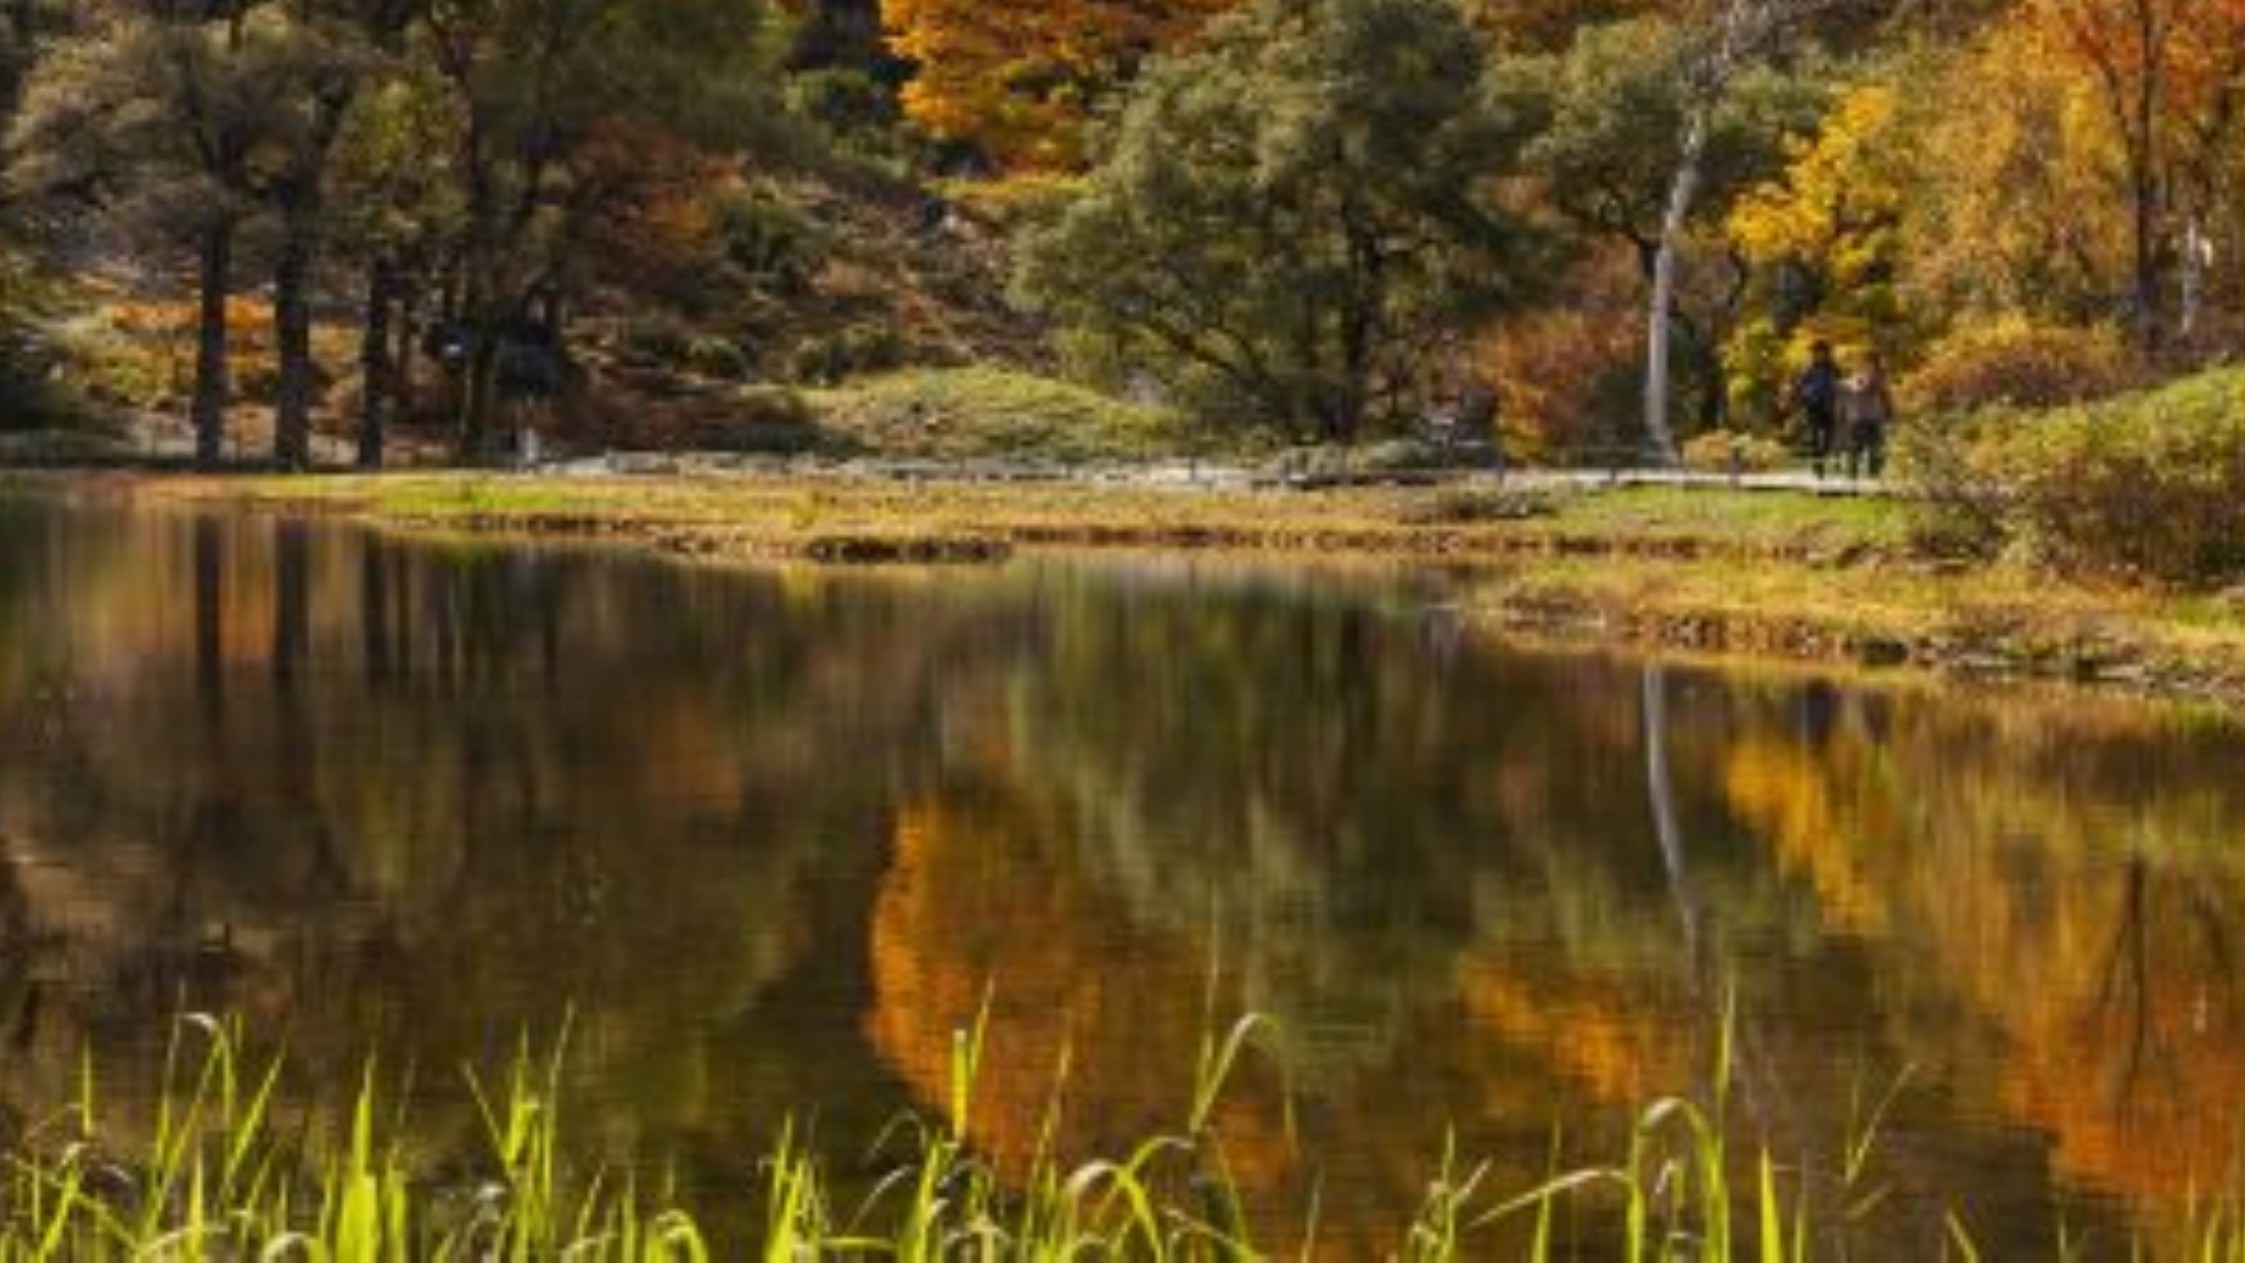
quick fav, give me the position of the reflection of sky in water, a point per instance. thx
(775, 835)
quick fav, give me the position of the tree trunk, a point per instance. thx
(478, 391)
(408, 353)
(208, 411)
(292, 337)
(2147, 263)
(1659, 330)
(374, 364)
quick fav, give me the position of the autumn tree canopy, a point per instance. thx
(1020, 81)
(1292, 214)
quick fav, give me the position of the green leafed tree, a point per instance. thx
(536, 86)
(1288, 220)
(158, 115)
(1617, 101)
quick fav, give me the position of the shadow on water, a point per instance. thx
(774, 835)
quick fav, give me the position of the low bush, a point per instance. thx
(717, 357)
(1734, 451)
(851, 352)
(1466, 506)
(772, 241)
(1961, 507)
(2148, 485)
(2014, 364)
(656, 341)
(985, 413)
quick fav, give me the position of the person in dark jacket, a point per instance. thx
(1816, 396)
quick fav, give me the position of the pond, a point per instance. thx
(766, 839)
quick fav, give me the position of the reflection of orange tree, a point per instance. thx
(1615, 1043)
(986, 902)
(1066, 976)
(1983, 854)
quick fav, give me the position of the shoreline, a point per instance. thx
(1706, 572)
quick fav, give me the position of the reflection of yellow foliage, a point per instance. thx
(1784, 794)
(2139, 1075)
(1619, 1046)
(2103, 977)
(984, 901)
(975, 906)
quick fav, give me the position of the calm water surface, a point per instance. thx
(772, 836)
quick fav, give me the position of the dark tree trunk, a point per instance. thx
(478, 392)
(207, 413)
(2145, 281)
(409, 345)
(374, 363)
(292, 336)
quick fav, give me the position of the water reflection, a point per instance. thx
(775, 836)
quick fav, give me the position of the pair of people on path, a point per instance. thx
(1847, 417)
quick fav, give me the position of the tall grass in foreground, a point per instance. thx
(222, 1174)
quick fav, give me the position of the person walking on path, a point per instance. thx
(1867, 413)
(1816, 396)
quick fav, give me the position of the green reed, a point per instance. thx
(224, 1174)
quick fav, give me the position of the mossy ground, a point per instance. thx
(1699, 569)
(993, 413)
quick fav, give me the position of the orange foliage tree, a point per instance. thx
(1020, 80)
(2167, 75)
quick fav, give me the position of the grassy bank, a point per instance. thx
(1764, 573)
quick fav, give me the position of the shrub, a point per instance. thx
(2011, 363)
(850, 107)
(717, 357)
(1962, 507)
(760, 421)
(2147, 485)
(856, 350)
(1465, 506)
(770, 239)
(1733, 451)
(1570, 379)
(658, 341)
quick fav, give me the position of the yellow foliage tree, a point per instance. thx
(2012, 208)
(1020, 80)
(1821, 247)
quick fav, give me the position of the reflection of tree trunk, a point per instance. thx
(210, 616)
(401, 620)
(2130, 956)
(444, 619)
(291, 608)
(374, 612)
(549, 635)
(1660, 787)
(1752, 1067)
